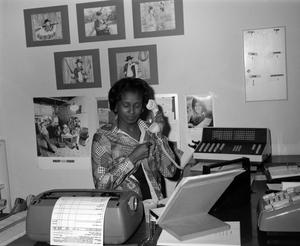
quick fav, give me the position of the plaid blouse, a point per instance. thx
(112, 169)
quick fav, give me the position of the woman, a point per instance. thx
(198, 114)
(127, 156)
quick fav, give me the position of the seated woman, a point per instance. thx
(127, 156)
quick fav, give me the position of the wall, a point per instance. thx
(1, 66)
(207, 58)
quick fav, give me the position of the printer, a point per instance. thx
(123, 214)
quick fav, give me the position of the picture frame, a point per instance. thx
(47, 26)
(153, 18)
(77, 69)
(199, 111)
(142, 61)
(100, 21)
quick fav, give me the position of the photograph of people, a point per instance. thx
(126, 155)
(158, 16)
(61, 127)
(100, 21)
(47, 26)
(199, 111)
(133, 64)
(77, 69)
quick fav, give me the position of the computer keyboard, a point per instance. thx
(12, 227)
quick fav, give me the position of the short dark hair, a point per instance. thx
(129, 85)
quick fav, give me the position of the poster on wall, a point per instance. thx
(199, 109)
(61, 131)
(105, 115)
(265, 64)
(47, 26)
(100, 21)
(133, 61)
(168, 104)
(153, 18)
(77, 69)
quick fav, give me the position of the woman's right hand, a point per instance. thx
(140, 152)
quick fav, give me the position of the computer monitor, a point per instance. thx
(185, 215)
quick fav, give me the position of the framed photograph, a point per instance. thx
(134, 61)
(47, 26)
(154, 18)
(100, 21)
(77, 69)
(199, 111)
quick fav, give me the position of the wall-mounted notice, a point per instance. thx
(169, 106)
(265, 64)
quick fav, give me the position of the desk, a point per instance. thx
(246, 214)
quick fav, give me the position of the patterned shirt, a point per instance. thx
(112, 169)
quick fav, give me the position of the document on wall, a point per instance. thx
(78, 221)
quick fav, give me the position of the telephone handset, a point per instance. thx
(152, 106)
(156, 128)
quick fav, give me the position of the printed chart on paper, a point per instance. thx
(78, 221)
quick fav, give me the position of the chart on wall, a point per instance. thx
(265, 64)
(168, 103)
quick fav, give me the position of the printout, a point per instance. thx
(78, 221)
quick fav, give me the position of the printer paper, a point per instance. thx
(78, 221)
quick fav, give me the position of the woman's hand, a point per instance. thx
(140, 152)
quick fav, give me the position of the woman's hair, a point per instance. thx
(195, 101)
(124, 85)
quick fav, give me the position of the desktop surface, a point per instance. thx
(246, 214)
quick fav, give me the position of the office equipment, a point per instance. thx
(19, 205)
(280, 211)
(248, 225)
(289, 171)
(186, 213)
(12, 227)
(220, 143)
(123, 214)
(238, 191)
(4, 178)
(229, 237)
(2, 201)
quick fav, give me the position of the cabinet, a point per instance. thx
(4, 180)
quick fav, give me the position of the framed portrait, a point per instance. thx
(154, 18)
(100, 21)
(134, 61)
(47, 26)
(77, 69)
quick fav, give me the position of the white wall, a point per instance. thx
(207, 58)
(1, 65)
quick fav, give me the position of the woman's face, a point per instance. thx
(198, 108)
(129, 108)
